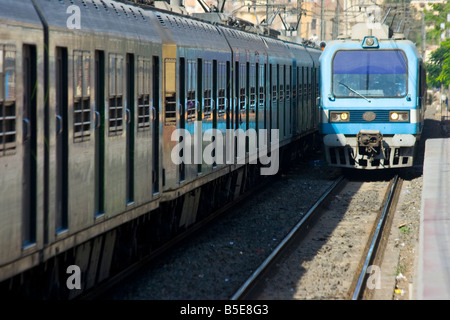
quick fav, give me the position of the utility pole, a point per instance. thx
(336, 21)
(322, 22)
(424, 35)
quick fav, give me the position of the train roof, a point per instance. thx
(98, 16)
(184, 31)
(407, 46)
(13, 12)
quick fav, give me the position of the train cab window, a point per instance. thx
(115, 125)
(191, 88)
(7, 100)
(207, 97)
(82, 97)
(368, 73)
(221, 83)
(144, 85)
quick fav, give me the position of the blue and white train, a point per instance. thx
(372, 102)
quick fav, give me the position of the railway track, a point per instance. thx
(285, 273)
(102, 288)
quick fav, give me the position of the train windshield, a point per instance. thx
(369, 73)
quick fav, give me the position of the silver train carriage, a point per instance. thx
(91, 93)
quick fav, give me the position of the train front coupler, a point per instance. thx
(370, 143)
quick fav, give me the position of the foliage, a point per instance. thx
(439, 67)
(437, 16)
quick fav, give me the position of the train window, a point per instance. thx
(261, 84)
(7, 100)
(281, 82)
(274, 94)
(82, 97)
(274, 84)
(207, 103)
(115, 125)
(252, 96)
(191, 88)
(242, 78)
(207, 92)
(170, 91)
(252, 84)
(368, 73)
(143, 85)
(221, 106)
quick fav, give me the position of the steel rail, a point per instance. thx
(245, 287)
(375, 239)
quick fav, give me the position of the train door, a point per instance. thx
(299, 116)
(62, 140)
(143, 135)
(129, 127)
(261, 69)
(191, 106)
(29, 180)
(155, 125)
(207, 114)
(198, 144)
(99, 133)
(304, 98)
(241, 81)
(288, 103)
(314, 93)
(182, 89)
(308, 98)
(221, 111)
(421, 92)
(274, 102)
(294, 83)
(281, 101)
(252, 85)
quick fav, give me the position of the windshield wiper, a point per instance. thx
(353, 90)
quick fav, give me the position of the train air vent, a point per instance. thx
(160, 19)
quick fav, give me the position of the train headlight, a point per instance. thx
(399, 116)
(339, 116)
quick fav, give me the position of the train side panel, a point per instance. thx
(22, 154)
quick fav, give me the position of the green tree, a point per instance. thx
(439, 66)
(437, 16)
